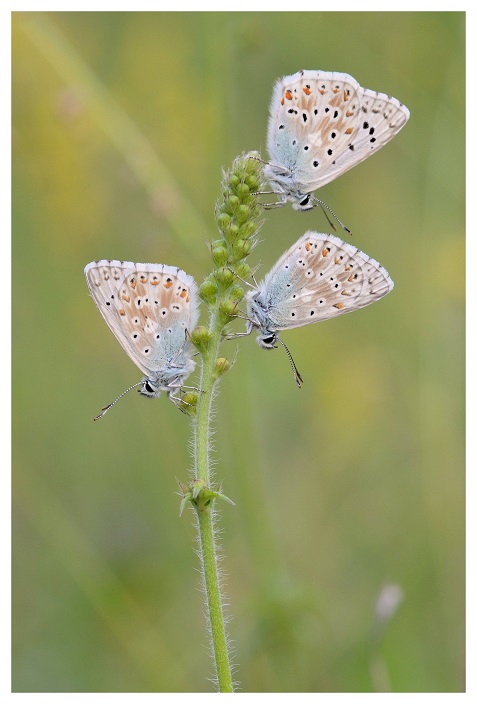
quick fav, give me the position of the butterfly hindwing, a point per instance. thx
(148, 307)
(322, 124)
(318, 278)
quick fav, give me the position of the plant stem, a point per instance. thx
(205, 514)
(204, 403)
(214, 602)
(236, 218)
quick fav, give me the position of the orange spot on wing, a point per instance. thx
(345, 96)
(122, 311)
(125, 297)
(288, 95)
(349, 130)
(143, 279)
(183, 293)
(335, 90)
(338, 305)
(154, 282)
(349, 113)
(133, 283)
(352, 277)
(187, 299)
(306, 90)
(325, 252)
(168, 283)
(322, 91)
(308, 246)
(347, 267)
(282, 101)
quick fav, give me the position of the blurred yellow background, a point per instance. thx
(122, 123)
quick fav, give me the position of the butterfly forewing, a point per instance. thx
(148, 307)
(321, 277)
(322, 124)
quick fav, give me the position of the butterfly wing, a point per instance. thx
(321, 277)
(148, 307)
(322, 124)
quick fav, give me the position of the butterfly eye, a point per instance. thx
(305, 200)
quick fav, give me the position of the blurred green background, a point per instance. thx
(122, 123)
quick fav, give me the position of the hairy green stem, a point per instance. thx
(214, 599)
(236, 216)
(204, 403)
(205, 516)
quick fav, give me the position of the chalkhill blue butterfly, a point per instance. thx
(150, 308)
(321, 124)
(319, 277)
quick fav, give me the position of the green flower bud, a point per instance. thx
(233, 180)
(232, 232)
(232, 203)
(228, 308)
(241, 249)
(236, 293)
(224, 277)
(208, 290)
(223, 220)
(248, 229)
(243, 191)
(242, 213)
(222, 365)
(200, 337)
(243, 270)
(189, 403)
(220, 255)
(253, 183)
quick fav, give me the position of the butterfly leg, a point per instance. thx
(234, 335)
(178, 401)
(242, 317)
(275, 204)
(277, 167)
(243, 280)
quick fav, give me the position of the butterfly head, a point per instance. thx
(267, 340)
(150, 388)
(170, 377)
(302, 202)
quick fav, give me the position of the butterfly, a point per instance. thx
(322, 124)
(150, 308)
(318, 278)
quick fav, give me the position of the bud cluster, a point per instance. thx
(237, 214)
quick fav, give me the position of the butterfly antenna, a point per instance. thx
(298, 378)
(106, 408)
(323, 205)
